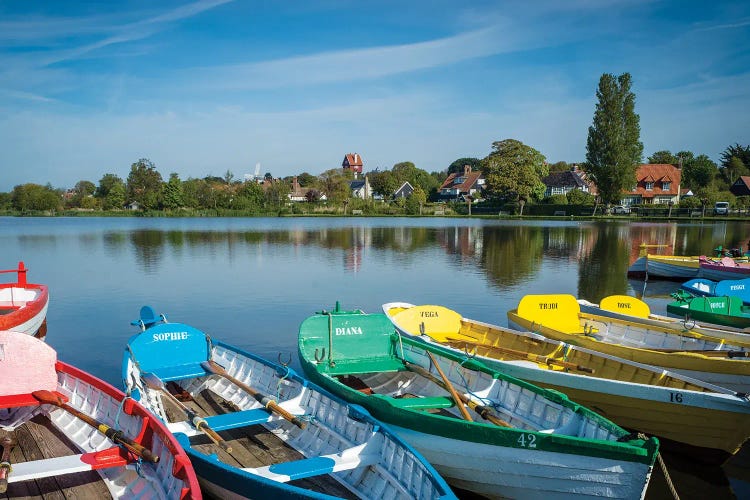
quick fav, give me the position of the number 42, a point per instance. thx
(527, 440)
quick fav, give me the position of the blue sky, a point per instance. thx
(202, 87)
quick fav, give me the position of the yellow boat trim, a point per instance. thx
(625, 304)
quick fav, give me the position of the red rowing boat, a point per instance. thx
(23, 306)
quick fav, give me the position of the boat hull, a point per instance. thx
(30, 317)
(731, 374)
(717, 272)
(681, 309)
(499, 472)
(675, 323)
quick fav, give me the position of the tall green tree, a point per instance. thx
(514, 171)
(613, 147)
(106, 183)
(172, 195)
(735, 161)
(115, 198)
(144, 184)
(335, 184)
(663, 157)
(385, 183)
(697, 172)
(249, 196)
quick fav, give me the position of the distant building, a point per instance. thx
(133, 205)
(459, 186)
(565, 182)
(741, 186)
(404, 191)
(353, 162)
(361, 189)
(656, 184)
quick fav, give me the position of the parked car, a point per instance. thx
(620, 209)
(721, 208)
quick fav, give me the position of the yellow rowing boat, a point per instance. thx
(709, 422)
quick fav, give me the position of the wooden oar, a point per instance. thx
(537, 358)
(447, 384)
(7, 443)
(154, 382)
(485, 412)
(269, 403)
(48, 397)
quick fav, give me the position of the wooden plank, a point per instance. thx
(56, 444)
(25, 490)
(39, 439)
(253, 446)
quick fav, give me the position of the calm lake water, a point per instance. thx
(252, 281)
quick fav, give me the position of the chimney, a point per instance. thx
(356, 157)
(295, 185)
(467, 169)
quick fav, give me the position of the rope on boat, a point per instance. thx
(668, 479)
(662, 465)
(280, 381)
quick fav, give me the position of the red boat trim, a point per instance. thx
(24, 314)
(182, 468)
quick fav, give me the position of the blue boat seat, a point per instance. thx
(238, 419)
(171, 351)
(148, 317)
(348, 459)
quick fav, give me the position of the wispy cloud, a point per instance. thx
(740, 24)
(367, 63)
(27, 96)
(138, 30)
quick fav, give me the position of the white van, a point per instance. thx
(721, 208)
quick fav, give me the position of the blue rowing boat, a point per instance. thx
(253, 428)
(702, 287)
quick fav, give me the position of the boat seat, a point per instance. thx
(362, 366)
(69, 464)
(241, 419)
(27, 399)
(559, 312)
(351, 458)
(422, 403)
(148, 317)
(171, 351)
(179, 372)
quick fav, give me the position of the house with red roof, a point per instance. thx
(459, 186)
(656, 184)
(353, 162)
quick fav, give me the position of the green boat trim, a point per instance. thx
(726, 310)
(359, 352)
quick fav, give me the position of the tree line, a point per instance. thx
(513, 173)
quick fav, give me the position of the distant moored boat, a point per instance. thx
(23, 306)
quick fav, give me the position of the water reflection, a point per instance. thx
(508, 254)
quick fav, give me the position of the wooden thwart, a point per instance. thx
(265, 400)
(485, 412)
